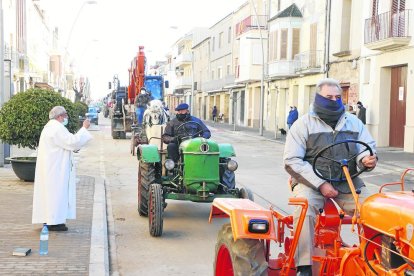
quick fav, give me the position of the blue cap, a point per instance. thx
(181, 106)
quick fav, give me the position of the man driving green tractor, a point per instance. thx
(173, 133)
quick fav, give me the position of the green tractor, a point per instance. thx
(204, 171)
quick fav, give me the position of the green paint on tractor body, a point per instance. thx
(201, 169)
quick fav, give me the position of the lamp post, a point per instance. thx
(91, 2)
(1, 75)
(261, 111)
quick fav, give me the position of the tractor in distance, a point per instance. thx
(122, 112)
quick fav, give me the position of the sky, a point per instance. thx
(106, 33)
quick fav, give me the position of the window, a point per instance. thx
(219, 73)
(273, 45)
(212, 74)
(312, 44)
(229, 35)
(295, 42)
(213, 43)
(228, 69)
(374, 8)
(283, 43)
(220, 42)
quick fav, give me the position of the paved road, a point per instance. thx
(188, 241)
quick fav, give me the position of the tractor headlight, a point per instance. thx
(258, 226)
(169, 164)
(232, 165)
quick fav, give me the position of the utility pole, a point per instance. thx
(1, 75)
(261, 111)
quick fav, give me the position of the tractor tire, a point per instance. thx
(122, 135)
(241, 257)
(246, 193)
(146, 176)
(156, 210)
(229, 179)
(115, 134)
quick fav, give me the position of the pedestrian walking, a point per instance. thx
(54, 197)
(214, 113)
(362, 112)
(293, 116)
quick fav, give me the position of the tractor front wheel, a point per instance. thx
(156, 210)
(246, 193)
(146, 176)
(241, 257)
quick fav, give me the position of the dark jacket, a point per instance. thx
(362, 114)
(214, 111)
(142, 100)
(293, 116)
(171, 135)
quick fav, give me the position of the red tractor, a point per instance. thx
(383, 223)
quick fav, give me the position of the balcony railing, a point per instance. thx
(308, 62)
(387, 25)
(183, 58)
(281, 68)
(251, 23)
(218, 84)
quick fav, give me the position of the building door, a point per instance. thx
(242, 95)
(397, 105)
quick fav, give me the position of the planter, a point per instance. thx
(24, 167)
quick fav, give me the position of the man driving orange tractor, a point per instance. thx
(325, 123)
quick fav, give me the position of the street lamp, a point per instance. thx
(91, 2)
(261, 111)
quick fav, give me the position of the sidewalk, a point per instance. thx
(394, 159)
(80, 251)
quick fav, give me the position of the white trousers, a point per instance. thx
(316, 201)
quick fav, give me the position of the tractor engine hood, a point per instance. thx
(199, 146)
(385, 211)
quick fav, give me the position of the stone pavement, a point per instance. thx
(82, 250)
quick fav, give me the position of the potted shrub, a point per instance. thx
(22, 119)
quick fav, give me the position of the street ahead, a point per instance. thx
(188, 241)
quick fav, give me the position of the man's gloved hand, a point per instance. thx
(327, 190)
(168, 139)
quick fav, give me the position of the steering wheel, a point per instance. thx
(186, 131)
(341, 162)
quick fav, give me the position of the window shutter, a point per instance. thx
(295, 42)
(312, 45)
(283, 44)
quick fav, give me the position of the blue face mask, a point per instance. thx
(328, 104)
(65, 121)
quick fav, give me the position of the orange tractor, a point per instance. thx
(383, 223)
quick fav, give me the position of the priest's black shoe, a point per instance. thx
(305, 270)
(57, 227)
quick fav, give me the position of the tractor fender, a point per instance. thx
(148, 153)
(226, 150)
(241, 212)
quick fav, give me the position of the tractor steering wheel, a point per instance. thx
(187, 131)
(341, 162)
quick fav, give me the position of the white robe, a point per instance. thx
(54, 196)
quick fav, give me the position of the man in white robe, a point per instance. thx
(54, 197)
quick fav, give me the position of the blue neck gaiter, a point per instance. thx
(329, 111)
(328, 104)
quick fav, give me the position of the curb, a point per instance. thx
(99, 259)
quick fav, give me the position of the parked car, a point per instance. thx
(92, 114)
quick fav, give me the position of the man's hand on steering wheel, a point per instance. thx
(369, 161)
(327, 190)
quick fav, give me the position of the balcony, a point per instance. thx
(219, 84)
(281, 68)
(183, 82)
(183, 59)
(308, 62)
(251, 23)
(387, 30)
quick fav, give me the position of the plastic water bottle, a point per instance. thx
(44, 241)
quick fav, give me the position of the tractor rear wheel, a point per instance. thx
(241, 257)
(122, 135)
(156, 210)
(246, 193)
(114, 134)
(146, 176)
